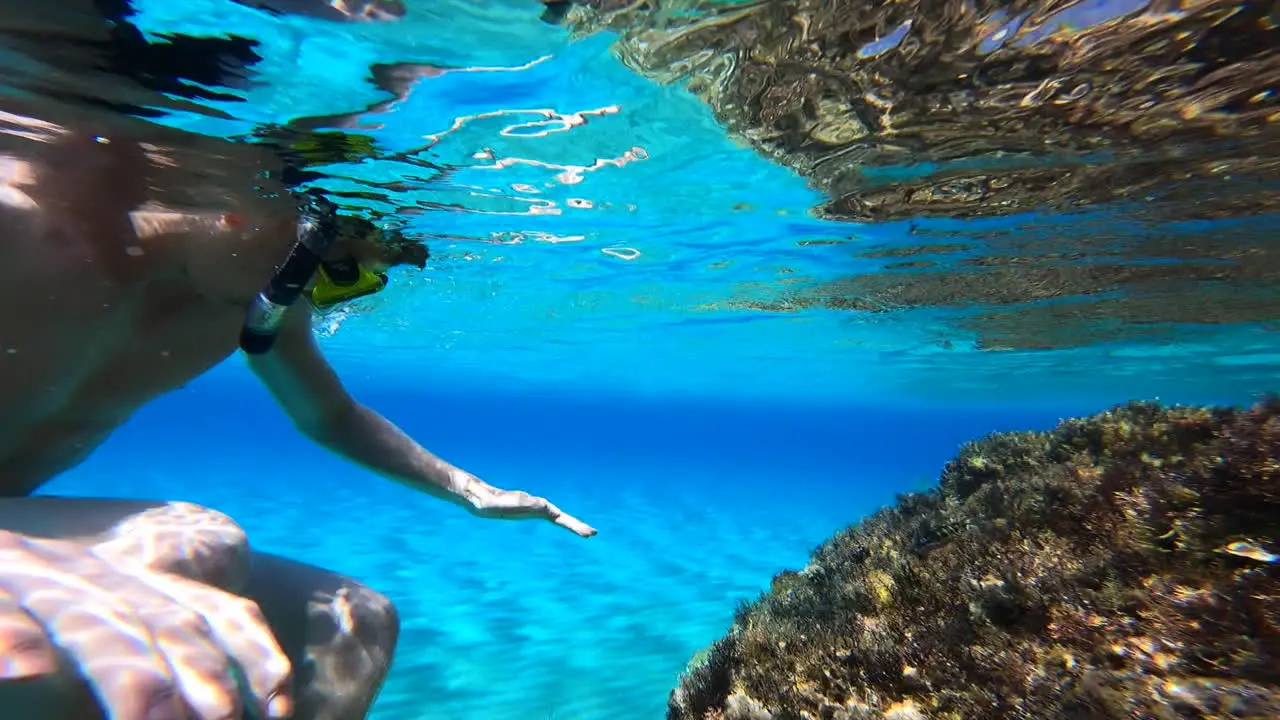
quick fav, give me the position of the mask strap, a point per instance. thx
(317, 228)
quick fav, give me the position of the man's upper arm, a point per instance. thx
(298, 375)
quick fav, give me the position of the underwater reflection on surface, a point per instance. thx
(1110, 133)
(924, 192)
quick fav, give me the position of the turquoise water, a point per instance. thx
(698, 504)
(580, 334)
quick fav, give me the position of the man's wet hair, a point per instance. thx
(396, 247)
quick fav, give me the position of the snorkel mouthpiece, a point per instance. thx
(317, 228)
(344, 280)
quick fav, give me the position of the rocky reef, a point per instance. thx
(1119, 566)
(967, 108)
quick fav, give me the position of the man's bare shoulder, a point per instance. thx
(163, 203)
(164, 227)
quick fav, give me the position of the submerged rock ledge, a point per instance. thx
(1118, 566)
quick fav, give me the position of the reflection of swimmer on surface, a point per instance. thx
(139, 255)
(397, 79)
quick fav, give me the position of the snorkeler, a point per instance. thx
(137, 257)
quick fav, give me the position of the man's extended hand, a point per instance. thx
(491, 502)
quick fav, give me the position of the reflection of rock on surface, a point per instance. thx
(944, 107)
(1119, 566)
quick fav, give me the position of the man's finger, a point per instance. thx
(36, 681)
(242, 631)
(25, 650)
(575, 525)
(145, 655)
(569, 522)
(97, 630)
(111, 648)
(200, 667)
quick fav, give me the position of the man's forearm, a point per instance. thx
(309, 390)
(365, 437)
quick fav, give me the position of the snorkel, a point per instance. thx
(317, 229)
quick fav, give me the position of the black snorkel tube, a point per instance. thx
(317, 228)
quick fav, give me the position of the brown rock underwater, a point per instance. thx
(1119, 566)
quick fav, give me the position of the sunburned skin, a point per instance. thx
(131, 254)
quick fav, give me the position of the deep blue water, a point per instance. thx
(698, 504)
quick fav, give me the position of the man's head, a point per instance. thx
(356, 262)
(374, 248)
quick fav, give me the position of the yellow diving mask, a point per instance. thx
(342, 280)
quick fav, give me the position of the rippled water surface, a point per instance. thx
(591, 219)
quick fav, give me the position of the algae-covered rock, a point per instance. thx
(1118, 566)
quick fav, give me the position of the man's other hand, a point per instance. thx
(149, 645)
